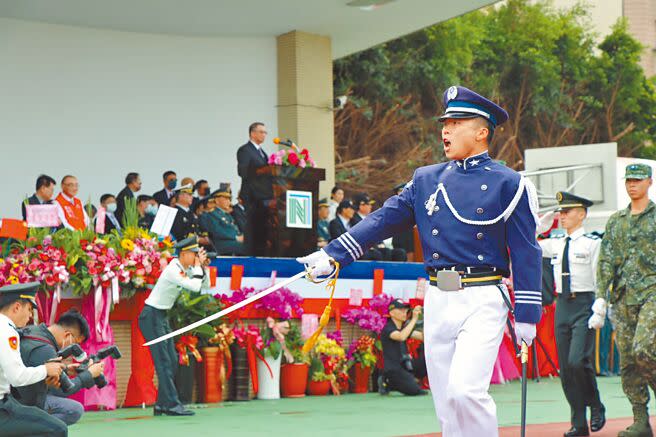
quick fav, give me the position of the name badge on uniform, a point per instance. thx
(582, 258)
(555, 260)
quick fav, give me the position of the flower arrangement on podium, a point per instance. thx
(292, 157)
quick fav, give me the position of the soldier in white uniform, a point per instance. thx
(17, 304)
(574, 259)
(189, 272)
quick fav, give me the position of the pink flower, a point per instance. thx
(302, 163)
(277, 160)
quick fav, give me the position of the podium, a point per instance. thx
(281, 240)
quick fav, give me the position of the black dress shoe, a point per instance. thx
(597, 417)
(176, 411)
(575, 432)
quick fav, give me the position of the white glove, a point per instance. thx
(525, 331)
(318, 262)
(545, 222)
(598, 316)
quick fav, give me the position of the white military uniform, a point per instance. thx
(12, 370)
(583, 256)
(173, 279)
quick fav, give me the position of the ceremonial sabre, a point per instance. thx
(524, 360)
(227, 311)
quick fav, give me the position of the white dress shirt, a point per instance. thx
(583, 257)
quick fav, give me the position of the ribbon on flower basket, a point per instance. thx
(186, 344)
(251, 340)
(101, 308)
(56, 298)
(223, 338)
(275, 328)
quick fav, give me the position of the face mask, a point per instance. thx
(172, 184)
(111, 207)
(151, 209)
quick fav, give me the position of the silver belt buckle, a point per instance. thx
(448, 280)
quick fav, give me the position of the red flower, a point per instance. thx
(72, 270)
(39, 247)
(293, 158)
(305, 154)
(50, 281)
(44, 257)
(84, 243)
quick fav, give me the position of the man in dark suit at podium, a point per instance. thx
(256, 191)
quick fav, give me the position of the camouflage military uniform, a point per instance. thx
(627, 277)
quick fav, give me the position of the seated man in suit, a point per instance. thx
(45, 188)
(256, 191)
(147, 209)
(108, 201)
(220, 226)
(342, 223)
(163, 197)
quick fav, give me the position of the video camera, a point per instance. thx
(81, 357)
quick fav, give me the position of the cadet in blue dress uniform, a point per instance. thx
(475, 218)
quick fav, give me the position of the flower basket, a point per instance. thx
(212, 384)
(268, 376)
(318, 388)
(360, 377)
(293, 380)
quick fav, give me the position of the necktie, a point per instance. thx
(264, 155)
(566, 280)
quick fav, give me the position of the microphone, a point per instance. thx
(286, 142)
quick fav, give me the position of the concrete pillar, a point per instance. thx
(305, 98)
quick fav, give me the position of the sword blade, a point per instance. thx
(228, 310)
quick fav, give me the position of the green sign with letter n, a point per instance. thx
(299, 209)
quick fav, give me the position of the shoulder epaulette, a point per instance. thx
(593, 235)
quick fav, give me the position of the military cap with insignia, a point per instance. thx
(188, 188)
(638, 171)
(361, 198)
(223, 191)
(14, 292)
(323, 202)
(460, 102)
(190, 243)
(568, 201)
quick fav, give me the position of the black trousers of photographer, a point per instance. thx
(405, 381)
(153, 324)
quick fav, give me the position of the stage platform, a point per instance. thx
(355, 415)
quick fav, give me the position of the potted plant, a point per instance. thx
(268, 369)
(326, 358)
(294, 374)
(189, 307)
(361, 356)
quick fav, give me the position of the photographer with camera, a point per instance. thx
(189, 272)
(41, 344)
(17, 304)
(401, 370)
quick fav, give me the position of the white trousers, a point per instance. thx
(462, 333)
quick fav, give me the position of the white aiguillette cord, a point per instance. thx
(228, 310)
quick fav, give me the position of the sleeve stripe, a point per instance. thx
(355, 244)
(529, 301)
(528, 293)
(348, 249)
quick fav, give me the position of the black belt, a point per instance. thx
(573, 294)
(473, 276)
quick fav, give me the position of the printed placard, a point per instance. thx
(163, 220)
(299, 209)
(42, 216)
(355, 297)
(309, 324)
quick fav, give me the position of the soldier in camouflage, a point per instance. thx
(626, 277)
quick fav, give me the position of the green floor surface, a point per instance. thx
(347, 415)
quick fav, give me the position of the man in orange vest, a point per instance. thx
(69, 208)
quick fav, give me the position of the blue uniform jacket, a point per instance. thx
(471, 213)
